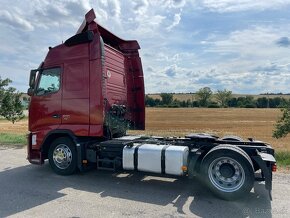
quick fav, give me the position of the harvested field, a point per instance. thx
(17, 128)
(255, 123)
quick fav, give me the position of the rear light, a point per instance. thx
(85, 161)
(184, 168)
(274, 167)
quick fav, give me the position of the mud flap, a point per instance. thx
(261, 159)
(81, 155)
(193, 158)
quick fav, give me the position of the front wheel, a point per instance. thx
(62, 156)
(228, 171)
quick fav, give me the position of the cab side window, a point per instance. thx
(49, 81)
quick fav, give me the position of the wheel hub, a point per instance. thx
(227, 170)
(62, 156)
(226, 174)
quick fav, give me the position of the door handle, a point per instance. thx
(57, 116)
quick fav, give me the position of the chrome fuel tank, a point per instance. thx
(168, 159)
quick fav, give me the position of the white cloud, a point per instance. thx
(257, 43)
(250, 59)
(244, 61)
(174, 3)
(175, 22)
(140, 6)
(15, 20)
(69, 12)
(148, 26)
(242, 5)
(114, 8)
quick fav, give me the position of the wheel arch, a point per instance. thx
(232, 148)
(196, 158)
(232, 138)
(53, 135)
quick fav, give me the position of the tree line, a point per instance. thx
(206, 98)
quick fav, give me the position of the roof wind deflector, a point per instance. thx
(80, 38)
(89, 17)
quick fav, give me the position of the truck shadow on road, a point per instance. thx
(26, 187)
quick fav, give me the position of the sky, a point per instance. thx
(238, 45)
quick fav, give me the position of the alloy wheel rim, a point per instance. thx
(226, 174)
(62, 156)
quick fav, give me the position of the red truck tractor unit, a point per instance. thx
(89, 90)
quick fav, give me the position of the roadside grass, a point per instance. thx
(283, 159)
(13, 139)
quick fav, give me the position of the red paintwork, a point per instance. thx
(85, 83)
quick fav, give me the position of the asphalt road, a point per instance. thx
(35, 191)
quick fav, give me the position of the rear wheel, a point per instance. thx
(63, 156)
(228, 171)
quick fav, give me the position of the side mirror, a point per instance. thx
(32, 78)
(30, 91)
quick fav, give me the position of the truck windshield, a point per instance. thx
(49, 81)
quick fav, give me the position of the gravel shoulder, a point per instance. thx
(35, 191)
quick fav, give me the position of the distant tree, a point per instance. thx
(10, 104)
(157, 102)
(262, 102)
(203, 96)
(188, 103)
(282, 127)
(277, 102)
(233, 102)
(3, 84)
(195, 104)
(250, 102)
(272, 103)
(183, 104)
(149, 101)
(246, 102)
(213, 104)
(241, 101)
(167, 98)
(176, 103)
(223, 97)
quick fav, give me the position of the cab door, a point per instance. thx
(45, 105)
(75, 97)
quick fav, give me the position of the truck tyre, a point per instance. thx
(62, 156)
(228, 171)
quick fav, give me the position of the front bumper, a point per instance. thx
(34, 156)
